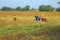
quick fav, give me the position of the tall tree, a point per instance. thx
(6, 9)
(18, 9)
(41, 8)
(58, 8)
(26, 8)
(46, 8)
(58, 3)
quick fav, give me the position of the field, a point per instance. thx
(25, 27)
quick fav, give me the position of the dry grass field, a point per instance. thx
(28, 17)
(26, 28)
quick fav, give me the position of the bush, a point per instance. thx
(58, 9)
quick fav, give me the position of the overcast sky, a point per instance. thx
(32, 3)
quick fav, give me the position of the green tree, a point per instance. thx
(58, 9)
(18, 9)
(6, 9)
(58, 3)
(46, 8)
(26, 8)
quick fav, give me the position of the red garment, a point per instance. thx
(43, 19)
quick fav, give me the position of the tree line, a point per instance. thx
(27, 8)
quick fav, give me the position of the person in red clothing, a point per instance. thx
(43, 19)
(40, 19)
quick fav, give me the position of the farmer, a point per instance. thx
(43, 19)
(15, 19)
(40, 19)
(37, 18)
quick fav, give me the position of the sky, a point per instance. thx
(31, 3)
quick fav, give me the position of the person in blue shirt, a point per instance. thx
(37, 18)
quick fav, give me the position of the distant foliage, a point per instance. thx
(46, 8)
(58, 2)
(26, 8)
(6, 9)
(58, 9)
(18, 9)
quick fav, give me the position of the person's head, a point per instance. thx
(36, 16)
